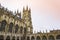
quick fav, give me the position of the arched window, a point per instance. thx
(21, 29)
(51, 37)
(17, 38)
(58, 37)
(1, 37)
(38, 38)
(13, 38)
(44, 38)
(3, 24)
(8, 38)
(16, 28)
(10, 27)
(25, 30)
(28, 38)
(32, 38)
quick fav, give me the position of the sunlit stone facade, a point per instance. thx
(13, 26)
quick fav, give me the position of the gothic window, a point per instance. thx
(38, 38)
(51, 37)
(21, 29)
(44, 38)
(28, 38)
(8, 38)
(10, 27)
(16, 28)
(25, 30)
(32, 38)
(13, 38)
(3, 24)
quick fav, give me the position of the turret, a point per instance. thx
(23, 9)
(18, 14)
(27, 19)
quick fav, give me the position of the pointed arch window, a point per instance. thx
(16, 28)
(51, 37)
(25, 30)
(3, 24)
(10, 27)
(44, 38)
(38, 38)
(21, 29)
(32, 38)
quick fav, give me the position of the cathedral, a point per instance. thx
(13, 26)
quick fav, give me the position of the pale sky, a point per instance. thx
(45, 13)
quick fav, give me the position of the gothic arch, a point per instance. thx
(1, 37)
(13, 38)
(58, 37)
(51, 37)
(28, 38)
(16, 28)
(10, 27)
(21, 29)
(44, 38)
(3, 24)
(8, 38)
(32, 38)
(38, 38)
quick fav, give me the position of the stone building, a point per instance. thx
(13, 26)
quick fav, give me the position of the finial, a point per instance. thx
(23, 9)
(26, 7)
(46, 31)
(29, 10)
(43, 31)
(17, 11)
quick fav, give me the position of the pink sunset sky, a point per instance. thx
(45, 13)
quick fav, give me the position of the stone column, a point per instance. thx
(19, 37)
(41, 37)
(10, 37)
(4, 37)
(15, 37)
(30, 37)
(55, 37)
(47, 38)
(35, 37)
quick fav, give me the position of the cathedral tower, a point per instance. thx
(27, 19)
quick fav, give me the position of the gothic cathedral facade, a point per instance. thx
(13, 26)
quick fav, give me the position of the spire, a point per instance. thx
(26, 7)
(23, 9)
(17, 12)
(43, 31)
(29, 10)
(46, 31)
